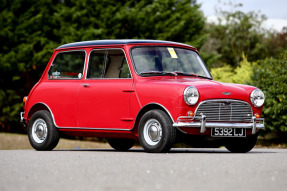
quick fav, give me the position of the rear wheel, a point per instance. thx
(241, 145)
(121, 144)
(156, 133)
(42, 133)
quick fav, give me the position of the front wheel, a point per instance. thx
(121, 144)
(156, 133)
(42, 133)
(241, 145)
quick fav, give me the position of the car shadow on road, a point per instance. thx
(173, 151)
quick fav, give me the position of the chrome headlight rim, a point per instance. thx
(254, 98)
(191, 90)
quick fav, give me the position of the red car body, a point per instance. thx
(113, 107)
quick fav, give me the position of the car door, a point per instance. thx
(59, 92)
(103, 100)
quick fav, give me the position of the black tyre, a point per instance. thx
(42, 133)
(241, 145)
(156, 133)
(121, 144)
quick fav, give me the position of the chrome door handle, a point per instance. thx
(86, 85)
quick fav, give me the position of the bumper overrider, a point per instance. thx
(200, 122)
(22, 116)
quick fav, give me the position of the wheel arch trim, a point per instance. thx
(144, 109)
(157, 104)
(48, 108)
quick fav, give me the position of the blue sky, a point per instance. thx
(275, 10)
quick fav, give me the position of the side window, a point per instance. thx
(67, 65)
(108, 64)
(125, 71)
(97, 62)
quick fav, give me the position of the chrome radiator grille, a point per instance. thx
(225, 110)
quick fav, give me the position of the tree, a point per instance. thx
(236, 33)
(271, 77)
(276, 43)
(175, 20)
(31, 29)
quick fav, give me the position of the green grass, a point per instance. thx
(9, 141)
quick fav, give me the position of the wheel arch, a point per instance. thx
(37, 107)
(147, 108)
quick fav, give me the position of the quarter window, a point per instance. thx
(67, 65)
(108, 64)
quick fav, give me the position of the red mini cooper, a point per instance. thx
(124, 90)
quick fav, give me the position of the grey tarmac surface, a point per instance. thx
(106, 169)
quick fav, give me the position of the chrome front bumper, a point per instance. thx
(185, 121)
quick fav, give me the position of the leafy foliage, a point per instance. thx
(239, 33)
(271, 77)
(276, 43)
(235, 33)
(31, 29)
(240, 75)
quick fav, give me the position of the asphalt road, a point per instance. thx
(181, 169)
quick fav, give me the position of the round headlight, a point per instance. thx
(257, 98)
(190, 95)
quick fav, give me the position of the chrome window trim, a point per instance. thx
(84, 68)
(102, 49)
(224, 100)
(204, 67)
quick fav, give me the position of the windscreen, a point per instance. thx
(164, 60)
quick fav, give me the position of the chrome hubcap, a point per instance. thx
(152, 132)
(39, 130)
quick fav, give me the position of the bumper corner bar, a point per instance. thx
(200, 122)
(22, 116)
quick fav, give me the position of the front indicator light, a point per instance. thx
(190, 114)
(257, 115)
(24, 101)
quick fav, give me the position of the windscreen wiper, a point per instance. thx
(151, 72)
(204, 77)
(158, 73)
(185, 73)
(191, 74)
